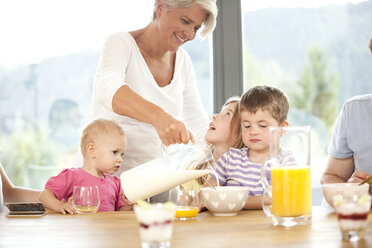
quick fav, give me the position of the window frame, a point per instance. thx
(227, 53)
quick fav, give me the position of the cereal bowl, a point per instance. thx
(225, 200)
(344, 189)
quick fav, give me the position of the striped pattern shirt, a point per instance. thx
(235, 168)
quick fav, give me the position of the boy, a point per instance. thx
(261, 107)
(102, 144)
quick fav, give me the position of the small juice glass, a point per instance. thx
(352, 213)
(187, 202)
(86, 199)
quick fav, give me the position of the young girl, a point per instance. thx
(224, 130)
(102, 144)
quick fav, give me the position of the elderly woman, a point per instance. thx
(146, 82)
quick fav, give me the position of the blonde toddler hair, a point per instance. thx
(98, 129)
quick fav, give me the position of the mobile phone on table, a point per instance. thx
(28, 209)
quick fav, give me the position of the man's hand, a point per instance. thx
(358, 177)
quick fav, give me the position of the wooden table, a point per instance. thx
(119, 229)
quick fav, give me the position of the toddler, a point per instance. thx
(102, 144)
(261, 107)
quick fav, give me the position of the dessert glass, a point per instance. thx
(352, 213)
(155, 223)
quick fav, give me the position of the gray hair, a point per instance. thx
(208, 5)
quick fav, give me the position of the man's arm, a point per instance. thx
(338, 170)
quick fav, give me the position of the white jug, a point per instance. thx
(178, 165)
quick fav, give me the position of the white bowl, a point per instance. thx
(224, 200)
(345, 189)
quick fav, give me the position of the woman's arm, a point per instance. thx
(12, 193)
(170, 130)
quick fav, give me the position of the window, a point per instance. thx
(317, 52)
(200, 53)
(49, 55)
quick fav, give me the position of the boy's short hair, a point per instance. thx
(96, 129)
(267, 98)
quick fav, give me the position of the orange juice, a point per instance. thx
(291, 191)
(86, 209)
(187, 212)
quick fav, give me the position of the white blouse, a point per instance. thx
(122, 63)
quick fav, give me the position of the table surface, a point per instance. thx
(120, 229)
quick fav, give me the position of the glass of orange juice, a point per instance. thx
(286, 177)
(186, 201)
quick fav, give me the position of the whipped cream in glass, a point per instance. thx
(352, 213)
(155, 224)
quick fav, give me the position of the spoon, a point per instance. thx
(367, 180)
(209, 183)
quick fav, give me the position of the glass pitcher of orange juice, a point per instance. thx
(286, 177)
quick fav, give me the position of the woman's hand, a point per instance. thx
(172, 131)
